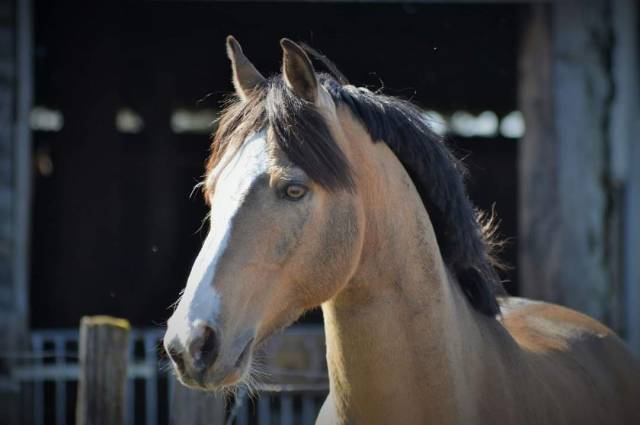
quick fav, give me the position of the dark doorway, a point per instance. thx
(114, 228)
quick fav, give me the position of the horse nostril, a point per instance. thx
(175, 354)
(204, 349)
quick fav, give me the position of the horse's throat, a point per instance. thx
(391, 354)
(396, 335)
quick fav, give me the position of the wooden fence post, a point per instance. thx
(193, 407)
(103, 350)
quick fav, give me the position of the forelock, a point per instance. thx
(297, 127)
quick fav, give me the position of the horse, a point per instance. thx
(326, 194)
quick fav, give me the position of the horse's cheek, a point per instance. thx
(336, 252)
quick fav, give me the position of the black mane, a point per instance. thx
(465, 243)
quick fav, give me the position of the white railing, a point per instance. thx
(49, 374)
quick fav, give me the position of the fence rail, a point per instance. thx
(49, 375)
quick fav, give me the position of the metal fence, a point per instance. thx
(48, 380)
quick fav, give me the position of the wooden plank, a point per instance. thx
(538, 179)
(61, 388)
(23, 160)
(15, 176)
(286, 409)
(38, 391)
(103, 347)
(570, 200)
(69, 372)
(625, 127)
(193, 407)
(131, 388)
(151, 383)
(309, 410)
(264, 409)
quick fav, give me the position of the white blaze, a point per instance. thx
(234, 175)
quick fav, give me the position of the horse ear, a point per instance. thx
(298, 71)
(245, 76)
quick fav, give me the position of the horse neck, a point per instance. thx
(402, 342)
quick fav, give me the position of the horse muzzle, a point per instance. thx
(201, 360)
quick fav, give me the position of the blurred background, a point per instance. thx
(106, 111)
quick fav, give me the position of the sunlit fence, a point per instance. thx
(293, 390)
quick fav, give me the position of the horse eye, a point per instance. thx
(295, 191)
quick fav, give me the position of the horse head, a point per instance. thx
(285, 221)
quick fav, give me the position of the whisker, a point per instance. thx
(204, 221)
(196, 188)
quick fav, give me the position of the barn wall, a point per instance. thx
(625, 131)
(577, 95)
(14, 194)
(7, 95)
